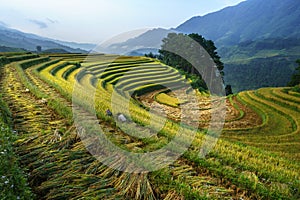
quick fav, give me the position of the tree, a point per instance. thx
(295, 80)
(185, 52)
(210, 47)
(38, 48)
(228, 90)
(150, 55)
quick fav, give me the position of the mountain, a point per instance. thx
(249, 20)
(11, 49)
(141, 44)
(75, 45)
(16, 39)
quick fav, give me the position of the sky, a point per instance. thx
(96, 21)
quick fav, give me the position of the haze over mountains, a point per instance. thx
(258, 40)
(16, 39)
(249, 20)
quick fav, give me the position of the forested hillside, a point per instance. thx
(263, 63)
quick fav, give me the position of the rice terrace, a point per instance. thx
(256, 157)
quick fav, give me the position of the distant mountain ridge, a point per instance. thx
(249, 20)
(75, 45)
(150, 40)
(16, 39)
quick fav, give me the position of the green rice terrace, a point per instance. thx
(43, 156)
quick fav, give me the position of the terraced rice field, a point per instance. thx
(257, 156)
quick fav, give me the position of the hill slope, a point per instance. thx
(17, 39)
(249, 20)
(11, 49)
(262, 63)
(150, 40)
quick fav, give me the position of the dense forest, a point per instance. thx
(260, 72)
(263, 63)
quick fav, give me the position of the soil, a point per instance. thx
(203, 109)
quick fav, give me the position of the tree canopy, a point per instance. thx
(295, 80)
(38, 48)
(195, 56)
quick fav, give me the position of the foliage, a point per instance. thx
(296, 89)
(295, 80)
(260, 63)
(264, 48)
(38, 49)
(260, 72)
(191, 54)
(151, 55)
(228, 90)
(211, 49)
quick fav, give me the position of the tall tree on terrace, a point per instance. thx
(191, 53)
(211, 49)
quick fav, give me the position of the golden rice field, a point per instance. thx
(44, 96)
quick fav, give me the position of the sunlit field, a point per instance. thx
(256, 157)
